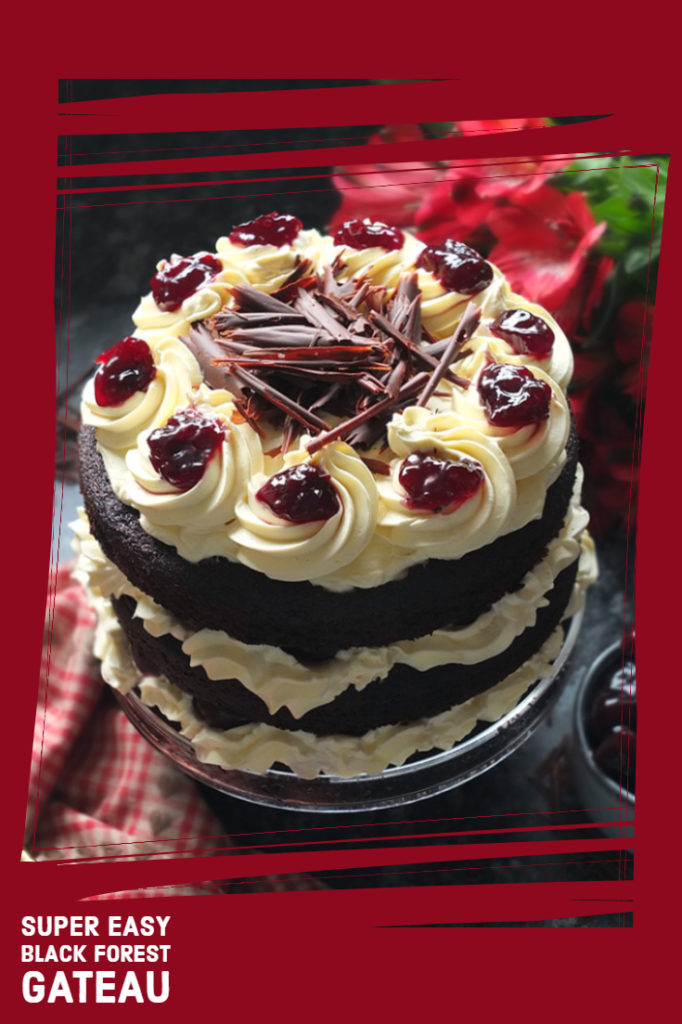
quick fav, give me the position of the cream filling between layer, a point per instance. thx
(282, 681)
(256, 747)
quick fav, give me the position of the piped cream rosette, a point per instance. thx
(474, 523)
(441, 309)
(210, 298)
(307, 551)
(380, 266)
(191, 520)
(118, 426)
(532, 450)
(268, 267)
(485, 347)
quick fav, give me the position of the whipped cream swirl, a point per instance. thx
(208, 299)
(381, 266)
(307, 551)
(485, 347)
(191, 519)
(532, 448)
(267, 267)
(473, 524)
(118, 426)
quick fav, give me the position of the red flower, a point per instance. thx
(544, 238)
(609, 456)
(631, 344)
(515, 174)
(453, 208)
(590, 370)
(510, 124)
(463, 200)
(450, 201)
(386, 192)
(574, 314)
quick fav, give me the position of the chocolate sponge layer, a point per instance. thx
(304, 619)
(403, 696)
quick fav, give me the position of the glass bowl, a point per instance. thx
(423, 776)
(606, 801)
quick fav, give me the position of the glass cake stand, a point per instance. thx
(423, 776)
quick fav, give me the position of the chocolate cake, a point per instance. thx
(332, 498)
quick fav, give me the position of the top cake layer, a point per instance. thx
(332, 410)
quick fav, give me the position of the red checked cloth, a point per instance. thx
(97, 788)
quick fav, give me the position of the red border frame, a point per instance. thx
(554, 980)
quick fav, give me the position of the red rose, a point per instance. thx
(510, 124)
(544, 238)
(631, 344)
(389, 193)
(574, 314)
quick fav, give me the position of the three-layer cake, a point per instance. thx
(332, 498)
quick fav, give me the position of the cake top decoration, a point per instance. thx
(350, 351)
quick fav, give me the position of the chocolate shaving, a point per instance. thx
(251, 299)
(317, 314)
(376, 466)
(305, 417)
(206, 349)
(349, 351)
(406, 391)
(464, 330)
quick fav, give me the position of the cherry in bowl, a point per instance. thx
(609, 715)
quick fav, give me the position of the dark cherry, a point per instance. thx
(270, 229)
(181, 277)
(528, 334)
(301, 494)
(512, 396)
(363, 234)
(615, 755)
(608, 711)
(624, 680)
(457, 267)
(611, 722)
(127, 367)
(181, 450)
(438, 485)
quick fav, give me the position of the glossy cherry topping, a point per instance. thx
(270, 229)
(528, 334)
(438, 485)
(182, 277)
(301, 494)
(127, 367)
(457, 267)
(364, 234)
(512, 396)
(181, 450)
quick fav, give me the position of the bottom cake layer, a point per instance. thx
(406, 693)
(257, 747)
(253, 706)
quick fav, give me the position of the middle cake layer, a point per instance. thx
(216, 593)
(360, 688)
